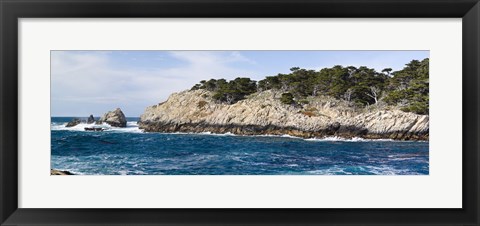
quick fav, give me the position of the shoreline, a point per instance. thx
(325, 138)
(315, 139)
(60, 172)
(347, 134)
(339, 132)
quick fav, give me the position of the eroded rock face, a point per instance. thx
(114, 118)
(73, 123)
(263, 113)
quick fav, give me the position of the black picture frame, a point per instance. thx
(12, 10)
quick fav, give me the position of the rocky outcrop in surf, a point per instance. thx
(114, 118)
(90, 119)
(76, 121)
(73, 123)
(263, 113)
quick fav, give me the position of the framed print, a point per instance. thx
(226, 112)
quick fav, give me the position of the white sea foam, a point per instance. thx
(330, 171)
(334, 138)
(123, 172)
(271, 135)
(387, 170)
(375, 170)
(132, 127)
(353, 139)
(204, 133)
(215, 134)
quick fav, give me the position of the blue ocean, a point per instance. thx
(130, 151)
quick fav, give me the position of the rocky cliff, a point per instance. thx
(263, 113)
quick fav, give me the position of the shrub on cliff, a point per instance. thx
(287, 98)
(201, 104)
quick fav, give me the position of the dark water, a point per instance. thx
(132, 152)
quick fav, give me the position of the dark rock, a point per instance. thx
(333, 128)
(94, 129)
(90, 119)
(74, 122)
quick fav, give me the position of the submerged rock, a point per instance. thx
(94, 129)
(90, 119)
(74, 122)
(115, 118)
(263, 113)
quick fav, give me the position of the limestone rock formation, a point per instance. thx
(73, 123)
(115, 118)
(263, 113)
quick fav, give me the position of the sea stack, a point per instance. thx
(114, 118)
(90, 119)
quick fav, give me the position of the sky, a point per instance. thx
(94, 82)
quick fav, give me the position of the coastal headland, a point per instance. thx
(263, 113)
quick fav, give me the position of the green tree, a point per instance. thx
(234, 90)
(387, 71)
(410, 87)
(407, 88)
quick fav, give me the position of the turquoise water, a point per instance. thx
(129, 151)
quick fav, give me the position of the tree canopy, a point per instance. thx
(407, 88)
(228, 92)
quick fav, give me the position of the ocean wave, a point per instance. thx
(201, 133)
(334, 138)
(363, 170)
(271, 135)
(330, 139)
(341, 139)
(215, 134)
(387, 170)
(132, 127)
(330, 171)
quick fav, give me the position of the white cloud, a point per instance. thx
(90, 80)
